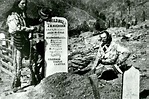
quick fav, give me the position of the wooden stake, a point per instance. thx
(94, 83)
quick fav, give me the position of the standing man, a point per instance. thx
(39, 69)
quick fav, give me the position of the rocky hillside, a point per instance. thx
(78, 11)
(83, 49)
(76, 85)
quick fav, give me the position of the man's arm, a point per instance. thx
(124, 53)
(123, 57)
(14, 24)
(97, 60)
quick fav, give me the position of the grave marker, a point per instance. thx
(56, 50)
(131, 82)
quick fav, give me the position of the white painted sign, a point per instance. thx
(131, 83)
(56, 50)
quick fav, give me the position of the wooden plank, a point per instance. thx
(7, 65)
(6, 49)
(6, 40)
(6, 57)
(7, 71)
(131, 82)
(0, 61)
(9, 42)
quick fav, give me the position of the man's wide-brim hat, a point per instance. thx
(45, 13)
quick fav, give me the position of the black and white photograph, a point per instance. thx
(74, 49)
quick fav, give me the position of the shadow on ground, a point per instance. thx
(144, 94)
(108, 75)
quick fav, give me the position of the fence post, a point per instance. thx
(0, 58)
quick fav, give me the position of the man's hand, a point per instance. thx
(33, 28)
(96, 63)
(93, 70)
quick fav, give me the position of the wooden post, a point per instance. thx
(131, 82)
(94, 83)
(0, 58)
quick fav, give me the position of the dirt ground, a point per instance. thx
(74, 86)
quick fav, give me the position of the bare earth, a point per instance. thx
(74, 86)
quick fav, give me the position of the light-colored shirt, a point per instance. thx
(114, 54)
(16, 22)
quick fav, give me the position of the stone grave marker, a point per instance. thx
(56, 50)
(131, 84)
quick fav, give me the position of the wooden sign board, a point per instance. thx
(56, 50)
(131, 83)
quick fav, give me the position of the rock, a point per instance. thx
(62, 86)
(76, 17)
(57, 86)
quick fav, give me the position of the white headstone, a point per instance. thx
(56, 49)
(131, 83)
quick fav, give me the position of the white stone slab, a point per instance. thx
(131, 83)
(56, 50)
